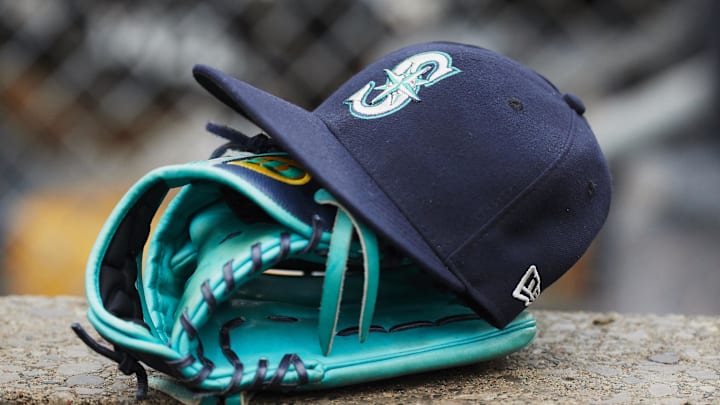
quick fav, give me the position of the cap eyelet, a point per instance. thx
(516, 104)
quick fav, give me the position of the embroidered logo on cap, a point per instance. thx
(528, 289)
(402, 85)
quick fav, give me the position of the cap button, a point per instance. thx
(574, 102)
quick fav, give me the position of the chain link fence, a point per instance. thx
(95, 93)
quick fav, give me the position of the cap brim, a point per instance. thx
(306, 137)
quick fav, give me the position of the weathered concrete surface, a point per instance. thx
(577, 358)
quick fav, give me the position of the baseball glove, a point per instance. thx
(256, 278)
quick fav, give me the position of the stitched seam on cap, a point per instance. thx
(509, 207)
(493, 310)
(372, 179)
(461, 281)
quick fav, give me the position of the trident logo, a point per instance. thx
(402, 85)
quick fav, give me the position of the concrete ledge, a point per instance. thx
(577, 358)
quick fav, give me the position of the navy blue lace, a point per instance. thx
(237, 141)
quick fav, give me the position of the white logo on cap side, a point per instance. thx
(528, 289)
(402, 85)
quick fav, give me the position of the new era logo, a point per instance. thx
(528, 289)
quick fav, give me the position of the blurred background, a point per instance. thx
(93, 94)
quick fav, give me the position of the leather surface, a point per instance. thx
(219, 316)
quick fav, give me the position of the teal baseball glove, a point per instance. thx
(256, 278)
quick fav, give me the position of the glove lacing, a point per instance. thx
(239, 142)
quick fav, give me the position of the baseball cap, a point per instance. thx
(472, 164)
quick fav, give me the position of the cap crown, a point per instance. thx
(483, 156)
(472, 164)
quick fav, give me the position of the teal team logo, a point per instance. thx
(403, 84)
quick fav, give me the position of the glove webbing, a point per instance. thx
(336, 267)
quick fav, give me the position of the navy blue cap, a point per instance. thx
(475, 166)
